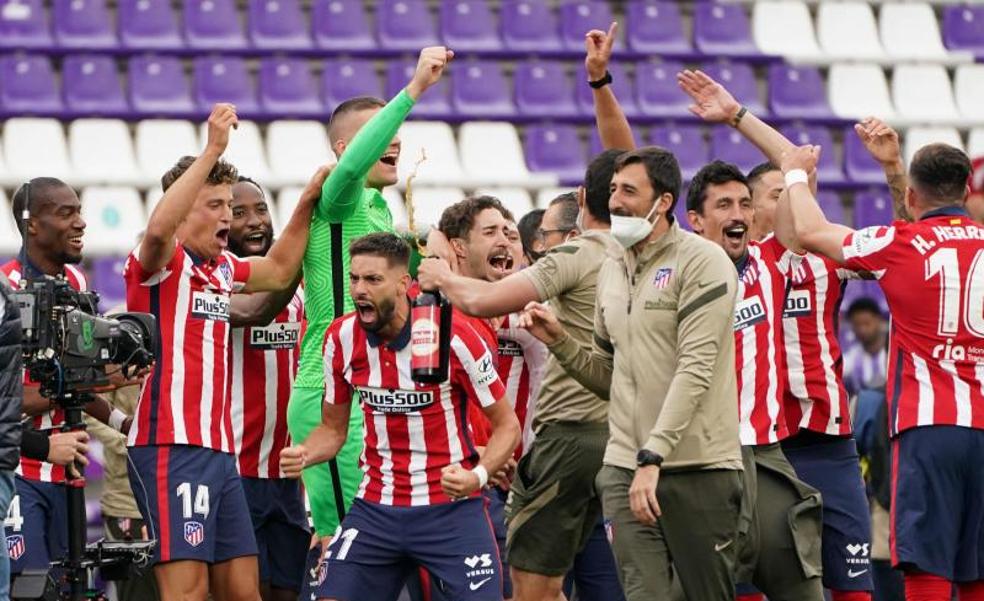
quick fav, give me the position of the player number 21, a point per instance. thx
(944, 263)
(200, 505)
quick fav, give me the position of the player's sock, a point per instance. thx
(750, 597)
(852, 595)
(920, 586)
(971, 591)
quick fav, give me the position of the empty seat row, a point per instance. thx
(476, 89)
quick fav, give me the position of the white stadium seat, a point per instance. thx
(847, 30)
(911, 31)
(34, 146)
(396, 206)
(245, 151)
(917, 137)
(114, 216)
(5, 177)
(160, 143)
(968, 86)
(923, 93)
(429, 204)
(296, 150)
(858, 91)
(545, 195)
(436, 139)
(102, 153)
(152, 197)
(284, 207)
(975, 143)
(796, 37)
(10, 241)
(492, 154)
(517, 200)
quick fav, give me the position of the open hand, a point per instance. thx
(712, 101)
(642, 495)
(880, 140)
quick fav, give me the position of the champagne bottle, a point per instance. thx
(430, 338)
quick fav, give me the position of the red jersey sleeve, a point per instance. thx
(240, 270)
(870, 249)
(135, 274)
(473, 367)
(337, 389)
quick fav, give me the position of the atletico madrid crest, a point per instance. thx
(662, 277)
(15, 547)
(194, 533)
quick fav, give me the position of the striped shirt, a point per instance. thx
(522, 363)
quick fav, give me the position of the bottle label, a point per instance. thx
(425, 338)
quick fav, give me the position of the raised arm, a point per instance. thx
(613, 127)
(159, 242)
(477, 297)
(882, 143)
(261, 308)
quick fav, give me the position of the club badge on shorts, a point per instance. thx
(15, 547)
(194, 533)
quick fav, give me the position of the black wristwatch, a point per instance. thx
(600, 83)
(646, 458)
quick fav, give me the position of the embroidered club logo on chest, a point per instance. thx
(662, 278)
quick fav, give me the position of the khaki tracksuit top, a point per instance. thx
(664, 353)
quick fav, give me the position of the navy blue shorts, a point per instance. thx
(380, 545)
(314, 574)
(831, 465)
(595, 573)
(192, 499)
(937, 514)
(36, 525)
(281, 530)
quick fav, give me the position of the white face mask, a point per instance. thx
(628, 231)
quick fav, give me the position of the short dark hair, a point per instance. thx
(598, 184)
(458, 219)
(865, 304)
(248, 180)
(528, 226)
(222, 173)
(568, 210)
(661, 167)
(714, 173)
(759, 170)
(940, 173)
(389, 246)
(36, 191)
(359, 103)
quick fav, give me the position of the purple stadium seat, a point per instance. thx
(740, 81)
(529, 26)
(658, 92)
(544, 90)
(468, 26)
(405, 25)
(578, 17)
(655, 27)
(224, 79)
(158, 86)
(479, 90)
(341, 25)
(731, 147)
(287, 87)
(723, 29)
(24, 25)
(347, 78)
(963, 28)
(435, 103)
(797, 93)
(860, 167)
(91, 85)
(107, 278)
(27, 86)
(832, 206)
(595, 147)
(873, 208)
(278, 25)
(829, 170)
(555, 149)
(213, 25)
(83, 24)
(687, 143)
(622, 86)
(148, 25)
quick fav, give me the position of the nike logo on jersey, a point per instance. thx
(722, 546)
(477, 585)
(853, 574)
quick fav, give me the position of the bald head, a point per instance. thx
(349, 117)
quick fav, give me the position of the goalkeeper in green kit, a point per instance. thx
(363, 135)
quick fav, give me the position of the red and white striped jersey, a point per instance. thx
(32, 469)
(815, 399)
(522, 361)
(758, 346)
(185, 398)
(264, 361)
(932, 273)
(411, 430)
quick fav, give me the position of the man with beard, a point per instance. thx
(419, 457)
(555, 497)
(778, 552)
(262, 368)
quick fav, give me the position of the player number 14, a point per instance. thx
(200, 504)
(944, 263)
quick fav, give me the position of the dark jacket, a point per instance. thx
(11, 379)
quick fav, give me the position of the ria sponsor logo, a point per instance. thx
(390, 400)
(213, 307)
(275, 336)
(956, 352)
(748, 313)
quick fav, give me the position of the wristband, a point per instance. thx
(116, 419)
(483, 475)
(738, 117)
(600, 83)
(796, 176)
